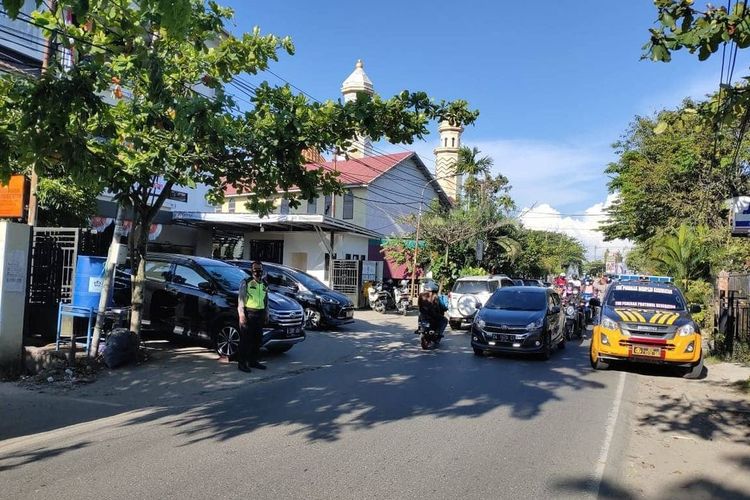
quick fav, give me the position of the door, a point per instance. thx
(159, 304)
(556, 321)
(266, 250)
(194, 304)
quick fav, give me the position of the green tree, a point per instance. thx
(148, 58)
(546, 252)
(594, 267)
(683, 254)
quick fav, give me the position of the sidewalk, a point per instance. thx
(691, 438)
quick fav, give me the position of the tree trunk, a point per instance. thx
(109, 273)
(138, 258)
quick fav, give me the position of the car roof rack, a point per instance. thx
(644, 278)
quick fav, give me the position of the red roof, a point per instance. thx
(354, 171)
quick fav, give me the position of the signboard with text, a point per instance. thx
(13, 197)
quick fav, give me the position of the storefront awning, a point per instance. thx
(272, 222)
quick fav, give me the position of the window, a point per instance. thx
(327, 201)
(284, 208)
(445, 142)
(348, 256)
(506, 282)
(187, 276)
(231, 205)
(493, 285)
(157, 271)
(276, 278)
(312, 206)
(348, 205)
(453, 142)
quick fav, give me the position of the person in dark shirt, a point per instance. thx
(431, 310)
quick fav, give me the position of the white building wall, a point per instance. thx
(403, 184)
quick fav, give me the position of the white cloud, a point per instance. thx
(583, 227)
(559, 173)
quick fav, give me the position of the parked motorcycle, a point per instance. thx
(401, 297)
(428, 337)
(380, 298)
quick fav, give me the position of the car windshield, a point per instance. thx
(531, 282)
(228, 277)
(470, 286)
(517, 300)
(309, 282)
(644, 296)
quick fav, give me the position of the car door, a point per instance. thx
(194, 302)
(555, 318)
(158, 303)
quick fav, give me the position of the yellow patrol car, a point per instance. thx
(646, 319)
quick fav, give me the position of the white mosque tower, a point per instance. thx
(355, 83)
(446, 156)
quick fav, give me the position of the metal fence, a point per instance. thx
(734, 313)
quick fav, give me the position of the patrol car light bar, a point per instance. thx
(640, 277)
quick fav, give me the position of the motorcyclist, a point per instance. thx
(575, 281)
(560, 280)
(432, 310)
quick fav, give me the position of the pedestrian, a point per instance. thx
(252, 308)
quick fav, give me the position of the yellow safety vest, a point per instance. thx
(255, 295)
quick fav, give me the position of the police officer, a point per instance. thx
(252, 308)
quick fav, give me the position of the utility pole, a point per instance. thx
(49, 50)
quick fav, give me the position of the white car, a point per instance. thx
(469, 294)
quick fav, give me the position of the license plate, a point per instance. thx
(349, 314)
(296, 330)
(504, 338)
(652, 352)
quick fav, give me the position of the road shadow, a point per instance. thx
(14, 460)
(696, 489)
(726, 419)
(374, 373)
(389, 379)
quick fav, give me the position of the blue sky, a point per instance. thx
(556, 82)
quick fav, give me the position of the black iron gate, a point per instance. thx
(734, 320)
(54, 251)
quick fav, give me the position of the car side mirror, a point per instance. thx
(205, 286)
(695, 308)
(295, 288)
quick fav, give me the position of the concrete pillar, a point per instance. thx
(14, 254)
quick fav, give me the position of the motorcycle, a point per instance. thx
(428, 337)
(587, 309)
(380, 298)
(574, 317)
(401, 297)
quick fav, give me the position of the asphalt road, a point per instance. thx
(357, 413)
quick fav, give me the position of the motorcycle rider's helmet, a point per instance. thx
(403, 282)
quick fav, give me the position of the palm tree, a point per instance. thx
(472, 165)
(683, 254)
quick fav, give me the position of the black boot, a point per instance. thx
(243, 367)
(257, 364)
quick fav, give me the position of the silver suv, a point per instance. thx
(469, 294)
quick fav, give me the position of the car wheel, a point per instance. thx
(278, 349)
(425, 343)
(313, 318)
(478, 352)
(547, 347)
(227, 340)
(696, 371)
(455, 325)
(596, 361)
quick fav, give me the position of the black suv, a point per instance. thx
(520, 319)
(323, 306)
(196, 297)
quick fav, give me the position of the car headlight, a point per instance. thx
(686, 330)
(535, 325)
(328, 300)
(609, 324)
(481, 324)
